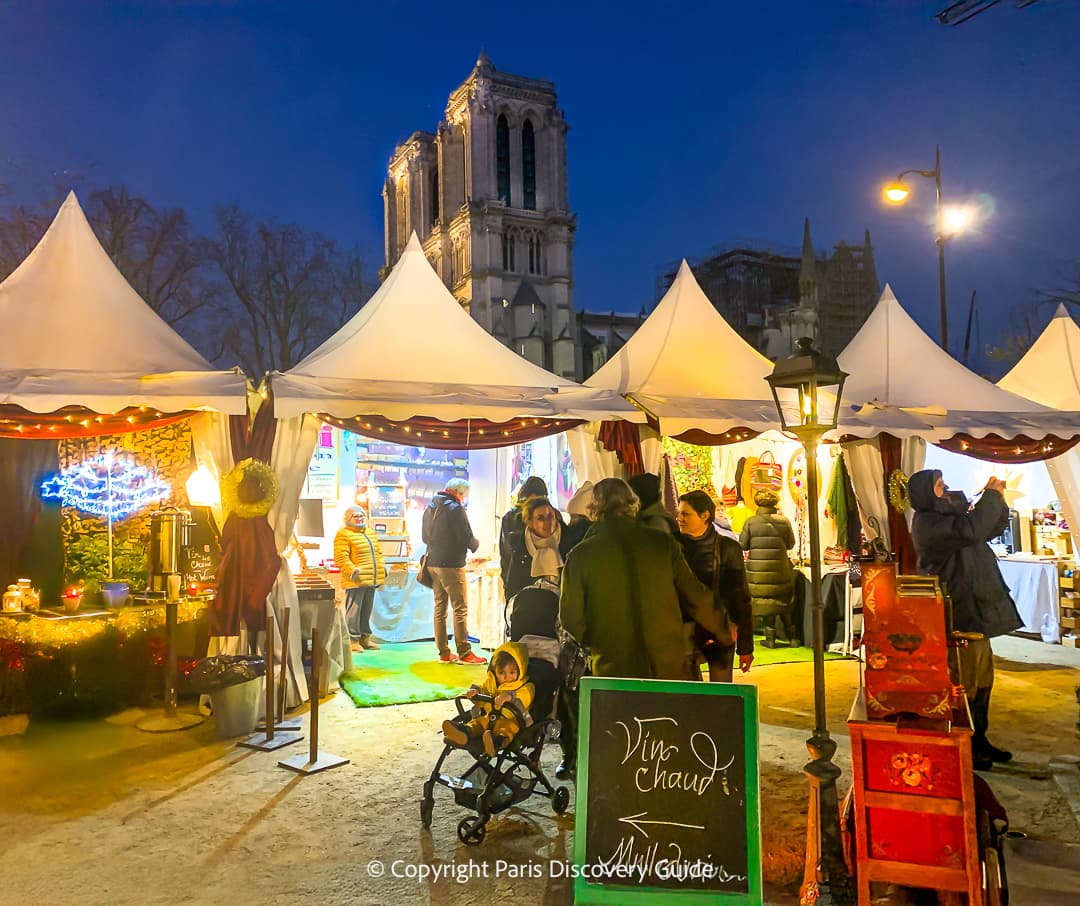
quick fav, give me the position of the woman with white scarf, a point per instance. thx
(536, 551)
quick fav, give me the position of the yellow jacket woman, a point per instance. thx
(359, 556)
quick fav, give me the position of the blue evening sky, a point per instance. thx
(691, 124)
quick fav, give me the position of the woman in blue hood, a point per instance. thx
(950, 540)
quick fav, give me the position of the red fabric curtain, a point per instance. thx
(1015, 450)
(249, 557)
(624, 440)
(465, 434)
(77, 421)
(899, 535)
(24, 464)
(253, 438)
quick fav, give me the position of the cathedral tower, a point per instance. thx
(487, 195)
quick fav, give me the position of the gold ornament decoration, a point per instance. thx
(249, 489)
(898, 492)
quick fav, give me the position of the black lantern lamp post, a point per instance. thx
(806, 388)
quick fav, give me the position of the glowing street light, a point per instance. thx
(957, 219)
(897, 193)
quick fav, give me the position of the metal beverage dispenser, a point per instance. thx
(170, 534)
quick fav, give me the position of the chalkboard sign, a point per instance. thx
(202, 565)
(667, 793)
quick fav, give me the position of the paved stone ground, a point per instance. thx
(98, 812)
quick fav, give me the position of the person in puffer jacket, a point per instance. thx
(507, 682)
(359, 556)
(768, 537)
(950, 540)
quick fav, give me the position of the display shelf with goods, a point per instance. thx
(1050, 534)
(1069, 603)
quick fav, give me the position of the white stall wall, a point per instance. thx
(1028, 485)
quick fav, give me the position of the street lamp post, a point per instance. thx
(897, 193)
(806, 388)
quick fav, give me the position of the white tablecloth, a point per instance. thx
(405, 614)
(1034, 588)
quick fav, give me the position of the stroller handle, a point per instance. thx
(478, 698)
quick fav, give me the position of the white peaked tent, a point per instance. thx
(74, 332)
(1049, 373)
(412, 350)
(895, 367)
(690, 369)
(686, 366)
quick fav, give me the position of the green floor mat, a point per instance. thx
(404, 673)
(781, 654)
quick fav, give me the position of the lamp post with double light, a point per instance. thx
(806, 388)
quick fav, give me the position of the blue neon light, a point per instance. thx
(106, 486)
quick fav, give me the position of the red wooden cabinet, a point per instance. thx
(914, 803)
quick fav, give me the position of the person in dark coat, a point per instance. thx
(718, 562)
(533, 486)
(539, 549)
(950, 541)
(621, 593)
(652, 513)
(448, 535)
(768, 537)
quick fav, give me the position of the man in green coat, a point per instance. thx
(620, 593)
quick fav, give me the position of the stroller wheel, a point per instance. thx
(560, 799)
(472, 830)
(427, 805)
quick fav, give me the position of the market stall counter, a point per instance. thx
(90, 660)
(1033, 584)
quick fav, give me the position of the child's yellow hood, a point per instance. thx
(521, 656)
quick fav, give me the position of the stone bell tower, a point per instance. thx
(487, 195)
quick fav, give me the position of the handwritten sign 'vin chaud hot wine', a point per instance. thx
(668, 799)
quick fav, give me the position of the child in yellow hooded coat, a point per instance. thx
(507, 682)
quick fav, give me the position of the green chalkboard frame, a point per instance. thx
(624, 895)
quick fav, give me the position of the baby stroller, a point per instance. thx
(496, 782)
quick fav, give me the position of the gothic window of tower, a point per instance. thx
(507, 251)
(528, 165)
(502, 158)
(402, 213)
(434, 183)
(536, 253)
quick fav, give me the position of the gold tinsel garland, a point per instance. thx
(898, 492)
(253, 470)
(40, 634)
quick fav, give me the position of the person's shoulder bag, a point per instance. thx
(732, 634)
(423, 575)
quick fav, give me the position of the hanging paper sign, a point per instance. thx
(323, 477)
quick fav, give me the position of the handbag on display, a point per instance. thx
(767, 474)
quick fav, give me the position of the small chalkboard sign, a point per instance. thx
(667, 793)
(202, 564)
(386, 501)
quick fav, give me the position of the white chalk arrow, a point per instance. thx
(635, 821)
